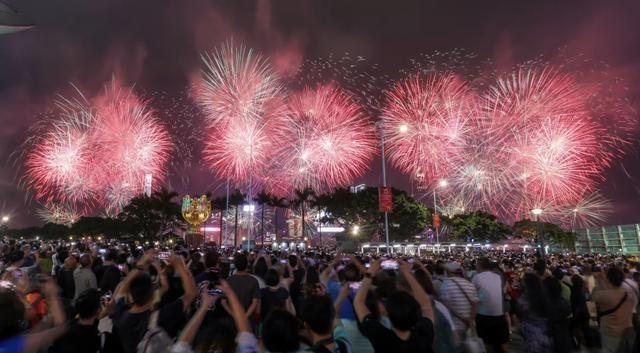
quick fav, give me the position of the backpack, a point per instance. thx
(156, 338)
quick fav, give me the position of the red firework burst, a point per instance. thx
(326, 139)
(426, 122)
(97, 153)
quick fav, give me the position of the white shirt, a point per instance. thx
(489, 286)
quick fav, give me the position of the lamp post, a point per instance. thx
(442, 183)
(403, 128)
(540, 232)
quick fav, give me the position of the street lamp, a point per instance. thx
(5, 219)
(540, 232)
(442, 183)
(355, 230)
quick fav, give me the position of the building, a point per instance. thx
(624, 239)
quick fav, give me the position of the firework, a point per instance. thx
(326, 139)
(58, 214)
(97, 153)
(236, 83)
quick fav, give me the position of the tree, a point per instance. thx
(409, 217)
(220, 204)
(263, 198)
(236, 199)
(168, 211)
(478, 225)
(300, 200)
(528, 230)
(277, 203)
(141, 216)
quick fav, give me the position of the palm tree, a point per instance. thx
(236, 199)
(167, 209)
(301, 198)
(220, 204)
(277, 203)
(263, 198)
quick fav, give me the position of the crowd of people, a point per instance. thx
(92, 296)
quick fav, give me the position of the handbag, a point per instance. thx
(473, 343)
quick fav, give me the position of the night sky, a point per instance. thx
(156, 45)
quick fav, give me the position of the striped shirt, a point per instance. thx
(456, 301)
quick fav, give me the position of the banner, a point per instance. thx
(436, 220)
(385, 199)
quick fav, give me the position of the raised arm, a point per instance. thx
(188, 284)
(359, 303)
(236, 309)
(418, 292)
(190, 330)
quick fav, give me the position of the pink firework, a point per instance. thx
(131, 143)
(58, 165)
(97, 153)
(426, 123)
(326, 139)
(236, 83)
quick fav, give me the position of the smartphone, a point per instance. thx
(355, 285)
(215, 291)
(121, 267)
(284, 261)
(102, 251)
(389, 265)
(106, 297)
(164, 255)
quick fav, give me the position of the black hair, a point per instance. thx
(293, 260)
(615, 276)
(110, 255)
(351, 272)
(535, 294)
(553, 287)
(558, 273)
(12, 315)
(403, 310)
(280, 332)
(272, 278)
(141, 289)
(260, 268)
(318, 314)
(540, 267)
(88, 303)
(483, 263)
(240, 262)
(211, 259)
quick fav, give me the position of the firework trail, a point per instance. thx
(326, 140)
(58, 214)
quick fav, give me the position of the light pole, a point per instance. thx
(442, 183)
(5, 220)
(540, 232)
(403, 128)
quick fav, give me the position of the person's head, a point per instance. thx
(141, 289)
(553, 287)
(351, 273)
(272, 278)
(535, 294)
(403, 310)
(280, 332)
(540, 267)
(87, 305)
(615, 276)
(211, 259)
(70, 262)
(293, 261)
(483, 264)
(577, 283)
(453, 269)
(260, 268)
(240, 262)
(425, 281)
(439, 269)
(558, 273)
(317, 314)
(85, 260)
(16, 258)
(13, 311)
(110, 256)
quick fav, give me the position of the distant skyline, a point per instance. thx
(156, 45)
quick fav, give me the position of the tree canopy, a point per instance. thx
(479, 226)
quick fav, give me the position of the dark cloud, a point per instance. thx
(156, 44)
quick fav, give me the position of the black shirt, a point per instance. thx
(272, 299)
(131, 327)
(111, 276)
(384, 340)
(246, 288)
(78, 339)
(66, 283)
